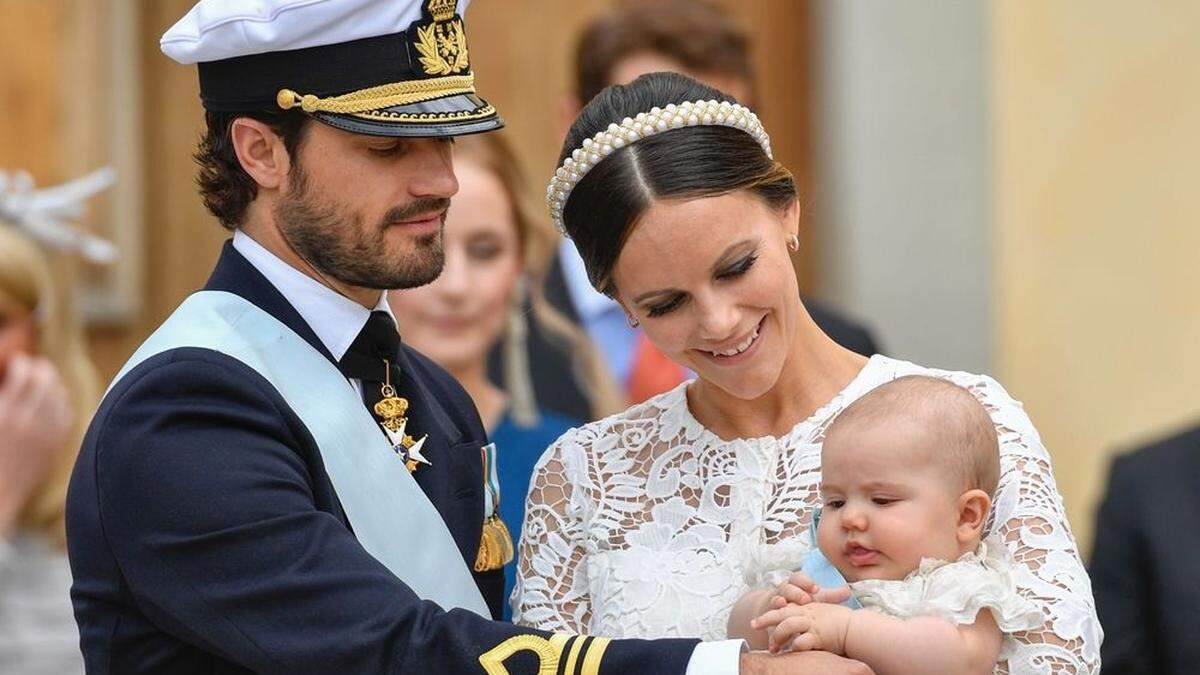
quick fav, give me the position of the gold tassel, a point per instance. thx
(495, 546)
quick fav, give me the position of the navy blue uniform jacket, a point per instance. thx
(205, 536)
(1146, 560)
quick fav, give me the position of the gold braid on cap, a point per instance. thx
(382, 96)
(658, 120)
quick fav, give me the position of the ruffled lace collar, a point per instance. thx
(957, 591)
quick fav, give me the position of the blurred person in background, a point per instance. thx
(497, 243)
(47, 389)
(696, 38)
(1144, 568)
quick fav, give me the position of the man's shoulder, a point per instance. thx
(1174, 455)
(182, 383)
(183, 368)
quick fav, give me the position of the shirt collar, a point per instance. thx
(336, 319)
(589, 303)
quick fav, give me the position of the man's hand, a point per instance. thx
(800, 663)
(35, 419)
(814, 626)
(799, 589)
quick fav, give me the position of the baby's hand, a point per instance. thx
(812, 626)
(799, 589)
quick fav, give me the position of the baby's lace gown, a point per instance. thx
(958, 591)
(645, 524)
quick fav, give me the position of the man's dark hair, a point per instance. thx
(698, 34)
(225, 186)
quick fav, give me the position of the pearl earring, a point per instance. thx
(793, 243)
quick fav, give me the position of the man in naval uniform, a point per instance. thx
(274, 483)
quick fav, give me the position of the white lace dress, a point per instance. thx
(645, 524)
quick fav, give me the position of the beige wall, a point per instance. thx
(1097, 145)
(904, 175)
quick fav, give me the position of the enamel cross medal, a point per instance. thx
(392, 409)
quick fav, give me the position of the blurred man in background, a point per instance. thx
(1145, 567)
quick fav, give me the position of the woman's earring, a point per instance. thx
(518, 380)
(633, 322)
(793, 243)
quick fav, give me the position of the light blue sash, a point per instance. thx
(392, 518)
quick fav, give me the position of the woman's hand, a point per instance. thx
(809, 627)
(36, 417)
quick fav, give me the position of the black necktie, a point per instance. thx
(371, 355)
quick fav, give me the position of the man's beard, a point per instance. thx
(331, 237)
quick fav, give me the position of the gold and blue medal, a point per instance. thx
(392, 409)
(496, 544)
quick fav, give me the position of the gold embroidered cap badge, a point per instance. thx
(442, 43)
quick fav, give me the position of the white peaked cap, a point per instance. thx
(378, 67)
(223, 29)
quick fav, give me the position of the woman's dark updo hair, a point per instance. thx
(685, 163)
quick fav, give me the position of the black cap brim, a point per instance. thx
(454, 115)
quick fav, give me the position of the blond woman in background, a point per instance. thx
(498, 244)
(48, 388)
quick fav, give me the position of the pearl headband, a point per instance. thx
(658, 120)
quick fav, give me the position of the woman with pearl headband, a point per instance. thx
(652, 522)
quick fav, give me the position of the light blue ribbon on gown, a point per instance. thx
(819, 569)
(392, 518)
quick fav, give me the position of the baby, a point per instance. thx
(907, 476)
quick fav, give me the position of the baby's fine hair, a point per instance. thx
(967, 435)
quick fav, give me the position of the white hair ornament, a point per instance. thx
(631, 129)
(44, 213)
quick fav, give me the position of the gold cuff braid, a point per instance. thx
(584, 655)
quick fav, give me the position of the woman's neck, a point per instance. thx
(815, 371)
(489, 399)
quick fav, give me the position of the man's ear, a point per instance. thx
(260, 151)
(973, 508)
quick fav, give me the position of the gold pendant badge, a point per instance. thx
(391, 410)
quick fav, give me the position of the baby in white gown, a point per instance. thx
(908, 471)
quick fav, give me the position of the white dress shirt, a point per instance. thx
(337, 320)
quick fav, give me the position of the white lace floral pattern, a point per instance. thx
(646, 524)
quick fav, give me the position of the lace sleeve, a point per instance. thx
(1028, 515)
(550, 594)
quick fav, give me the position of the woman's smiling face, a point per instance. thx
(712, 283)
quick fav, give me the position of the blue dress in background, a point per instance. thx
(518, 450)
